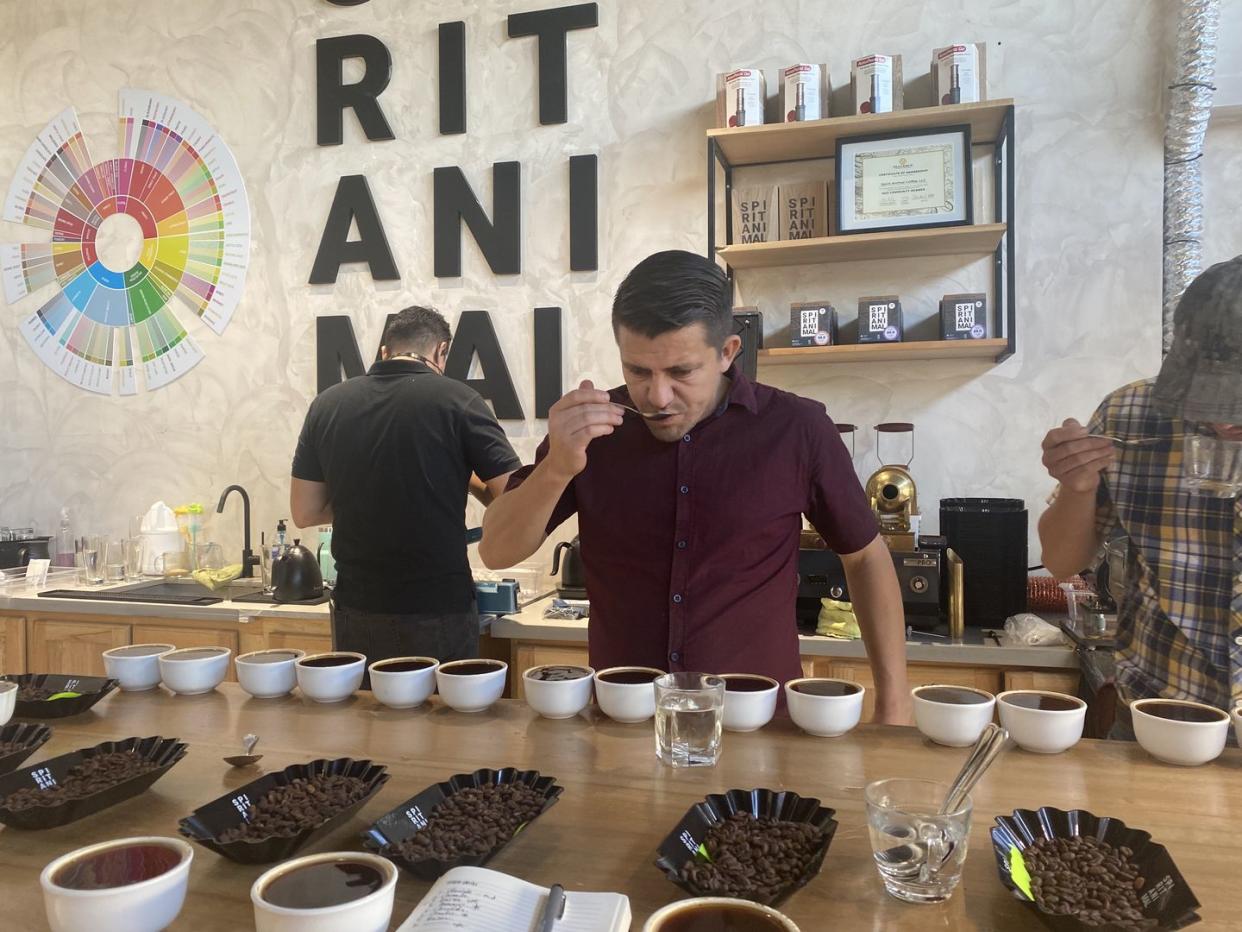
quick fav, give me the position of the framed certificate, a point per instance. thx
(901, 181)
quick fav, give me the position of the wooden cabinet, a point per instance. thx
(527, 654)
(920, 674)
(69, 645)
(1055, 681)
(12, 644)
(182, 636)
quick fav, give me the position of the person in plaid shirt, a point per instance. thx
(1179, 632)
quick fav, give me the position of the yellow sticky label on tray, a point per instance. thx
(1017, 870)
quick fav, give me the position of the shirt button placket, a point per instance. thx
(681, 565)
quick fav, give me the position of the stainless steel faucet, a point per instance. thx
(250, 559)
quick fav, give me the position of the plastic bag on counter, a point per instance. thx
(837, 620)
(568, 608)
(1033, 631)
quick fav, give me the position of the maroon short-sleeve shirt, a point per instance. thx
(691, 548)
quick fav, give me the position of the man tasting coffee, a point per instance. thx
(690, 505)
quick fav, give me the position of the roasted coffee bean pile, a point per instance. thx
(8, 747)
(1088, 879)
(304, 803)
(91, 776)
(33, 693)
(474, 821)
(752, 858)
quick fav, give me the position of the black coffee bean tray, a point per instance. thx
(411, 817)
(163, 751)
(1166, 896)
(684, 842)
(31, 737)
(92, 689)
(205, 824)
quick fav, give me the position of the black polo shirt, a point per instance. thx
(396, 448)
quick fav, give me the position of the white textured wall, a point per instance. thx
(1087, 77)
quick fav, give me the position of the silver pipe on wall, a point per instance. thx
(1186, 120)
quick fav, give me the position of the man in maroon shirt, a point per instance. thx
(690, 514)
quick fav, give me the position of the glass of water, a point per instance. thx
(115, 559)
(87, 559)
(1212, 465)
(689, 718)
(918, 852)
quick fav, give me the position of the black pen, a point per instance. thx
(553, 909)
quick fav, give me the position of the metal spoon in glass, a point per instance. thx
(991, 743)
(247, 759)
(649, 415)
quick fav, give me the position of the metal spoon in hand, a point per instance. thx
(249, 758)
(649, 415)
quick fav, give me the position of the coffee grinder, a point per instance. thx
(892, 494)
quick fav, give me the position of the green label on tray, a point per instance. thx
(701, 851)
(1017, 870)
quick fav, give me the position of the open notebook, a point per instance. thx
(474, 899)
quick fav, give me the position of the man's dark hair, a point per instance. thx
(416, 330)
(674, 289)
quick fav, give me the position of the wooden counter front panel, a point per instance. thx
(72, 646)
(12, 644)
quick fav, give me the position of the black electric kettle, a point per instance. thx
(573, 577)
(296, 576)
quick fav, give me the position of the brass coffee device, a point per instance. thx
(893, 495)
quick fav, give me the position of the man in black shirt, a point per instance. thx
(387, 459)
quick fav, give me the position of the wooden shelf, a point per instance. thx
(980, 239)
(883, 352)
(817, 139)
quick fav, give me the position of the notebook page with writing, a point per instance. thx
(474, 899)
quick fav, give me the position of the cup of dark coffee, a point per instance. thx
(471, 685)
(326, 893)
(1177, 731)
(823, 706)
(404, 682)
(627, 694)
(558, 690)
(749, 700)
(954, 716)
(718, 914)
(125, 885)
(331, 676)
(1041, 721)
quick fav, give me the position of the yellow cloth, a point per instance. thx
(837, 620)
(213, 578)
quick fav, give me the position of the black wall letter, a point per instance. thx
(352, 202)
(548, 388)
(500, 240)
(475, 334)
(452, 78)
(363, 98)
(336, 349)
(552, 27)
(583, 213)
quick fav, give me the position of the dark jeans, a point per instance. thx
(379, 635)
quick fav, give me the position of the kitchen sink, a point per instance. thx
(162, 592)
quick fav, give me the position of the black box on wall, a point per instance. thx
(812, 323)
(748, 324)
(879, 319)
(963, 317)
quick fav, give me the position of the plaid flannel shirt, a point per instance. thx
(1180, 618)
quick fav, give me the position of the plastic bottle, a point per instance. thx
(64, 539)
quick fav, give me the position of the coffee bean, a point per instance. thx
(1088, 879)
(752, 858)
(34, 693)
(93, 775)
(474, 821)
(301, 804)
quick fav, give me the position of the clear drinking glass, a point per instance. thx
(918, 852)
(133, 558)
(114, 560)
(1212, 465)
(689, 718)
(86, 559)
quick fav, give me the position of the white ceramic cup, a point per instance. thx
(953, 724)
(136, 667)
(826, 716)
(269, 674)
(192, 671)
(1043, 731)
(749, 709)
(1237, 723)
(403, 689)
(557, 698)
(331, 683)
(1174, 742)
(660, 919)
(146, 906)
(471, 692)
(370, 913)
(627, 702)
(8, 700)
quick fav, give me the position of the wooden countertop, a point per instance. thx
(620, 802)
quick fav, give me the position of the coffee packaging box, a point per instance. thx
(802, 210)
(754, 214)
(876, 84)
(963, 317)
(879, 319)
(812, 323)
(959, 74)
(805, 92)
(740, 98)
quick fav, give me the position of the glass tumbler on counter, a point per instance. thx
(114, 560)
(689, 719)
(86, 559)
(1212, 465)
(918, 852)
